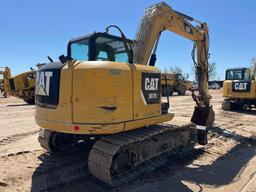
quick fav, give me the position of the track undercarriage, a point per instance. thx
(112, 156)
(238, 104)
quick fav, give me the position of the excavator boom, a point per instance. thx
(162, 17)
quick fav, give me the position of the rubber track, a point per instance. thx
(148, 142)
(176, 157)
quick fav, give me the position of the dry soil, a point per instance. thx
(227, 163)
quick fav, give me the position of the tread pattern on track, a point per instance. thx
(13, 138)
(143, 145)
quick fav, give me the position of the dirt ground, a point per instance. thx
(227, 163)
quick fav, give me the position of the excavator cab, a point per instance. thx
(98, 47)
(238, 74)
(239, 89)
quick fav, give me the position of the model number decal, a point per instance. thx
(151, 87)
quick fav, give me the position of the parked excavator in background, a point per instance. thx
(239, 89)
(175, 83)
(23, 86)
(108, 89)
(4, 80)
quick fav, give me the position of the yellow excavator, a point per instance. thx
(23, 86)
(108, 88)
(4, 80)
(239, 89)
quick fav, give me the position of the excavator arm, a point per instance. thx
(161, 17)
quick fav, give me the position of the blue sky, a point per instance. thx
(32, 29)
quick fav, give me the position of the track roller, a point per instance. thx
(56, 142)
(115, 156)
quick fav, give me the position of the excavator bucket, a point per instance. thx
(203, 117)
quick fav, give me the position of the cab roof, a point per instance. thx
(237, 68)
(96, 34)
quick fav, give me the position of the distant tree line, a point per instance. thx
(174, 69)
(212, 71)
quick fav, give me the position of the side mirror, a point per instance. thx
(63, 59)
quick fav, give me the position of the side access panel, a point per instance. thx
(102, 92)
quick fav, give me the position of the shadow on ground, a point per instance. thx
(246, 112)
(222, 171)
(18, 105)
(59, 169)
(69, 172)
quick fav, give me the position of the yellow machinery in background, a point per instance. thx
(5, 75)
(239, 89)
(174, 82)
(108, 89)
(23, 86)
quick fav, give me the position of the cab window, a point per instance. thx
(80, 50)
(109, 49)
(234, 75)
(121, 57)
(247, 75)
(242, 74)
(102, 56)
(98, 47)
